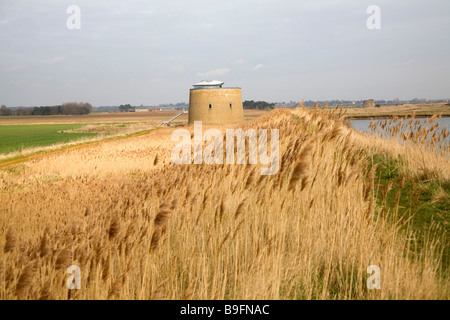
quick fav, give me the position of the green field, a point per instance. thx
(18, 137)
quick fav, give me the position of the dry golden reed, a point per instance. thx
(11, 240)
(140, 227)
(44, 248)
(25, 279)
(64, 259)
(163, 215)
(117, 286)
(114, 228)
(240, 209)
(301, 168)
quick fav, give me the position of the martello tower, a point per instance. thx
(210, 103)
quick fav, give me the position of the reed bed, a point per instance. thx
(425, 135)
(149, 229)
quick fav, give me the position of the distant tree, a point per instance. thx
(125, 108)
(70, 108)
(76, 108)
(87, 107)
(42, 111)
(23, 111)
(4, 111)
(36, 111)
(260, 105)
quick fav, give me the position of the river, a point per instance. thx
(363, 125)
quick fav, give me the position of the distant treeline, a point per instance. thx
(260, 105)
(173, 105)
(356, 103)
(77, 108)
(126, 108)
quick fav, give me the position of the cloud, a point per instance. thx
(45, 62)
(17, 67)
(51, 61)
(238, 62)
(257, 67)
(178, 69)
(215, 72)
(16, 82)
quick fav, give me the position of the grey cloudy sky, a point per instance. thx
(151, 52)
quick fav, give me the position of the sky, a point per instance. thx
(152, 52)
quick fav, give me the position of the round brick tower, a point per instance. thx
(212, 104)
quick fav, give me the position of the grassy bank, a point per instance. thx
(421, 205)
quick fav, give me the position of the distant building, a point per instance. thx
(212, 104)
(141, 110)
(369, 103)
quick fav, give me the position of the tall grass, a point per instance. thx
(212, 231)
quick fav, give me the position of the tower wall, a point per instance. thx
(220, 100)
(369, 103)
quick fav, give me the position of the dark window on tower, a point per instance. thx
(210, 106)
(230, 105)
